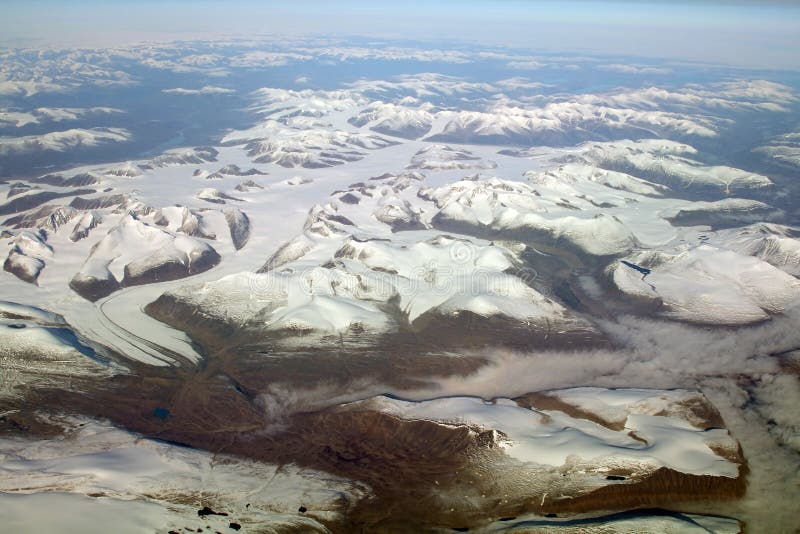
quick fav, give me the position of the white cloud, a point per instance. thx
(525, 65)
(205, 90)
(633, 69)
(392, 53)
(260, 58)
(516, 83)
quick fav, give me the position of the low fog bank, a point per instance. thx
(739, 369)
(655, 354)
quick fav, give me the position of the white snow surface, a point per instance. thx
(571, 177)
(775, 244)
(668, 158)
(444, 157)
(439, 274)
(397, 120)
(74, 138)
(505, 205)
(514, 123)
(552, 437)
(139, 247)
(682, 523)
(46, 114)
(147, 476)
(598, 211)
(708, 285)
(784, 149)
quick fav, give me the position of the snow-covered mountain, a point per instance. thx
(784, 150)
(496, 207)
(134, 253)
(666, 163)
(61, 141)
(707, 285)
(310, 147)
(44, 115)
(367, 302)
(443, 157)
(394, 120)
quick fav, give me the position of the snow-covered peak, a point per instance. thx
(134, 252)
(289, 147)
(395, 120)
(437, 157)
(704, 284)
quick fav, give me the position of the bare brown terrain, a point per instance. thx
(425, 476)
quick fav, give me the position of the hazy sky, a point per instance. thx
(742, 33)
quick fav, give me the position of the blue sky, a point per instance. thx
(764, 34)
